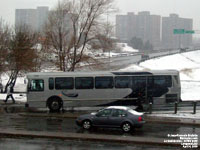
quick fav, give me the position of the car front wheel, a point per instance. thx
(87, 124)
(126, 127)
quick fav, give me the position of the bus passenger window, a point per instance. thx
(64, 83)
(162, 81)
(37, 85)
(51, 83)
(104, 82)
(84, 83)
(123, 82)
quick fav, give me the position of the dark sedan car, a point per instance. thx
(113, 116)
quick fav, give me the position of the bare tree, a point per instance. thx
(105, 36)
(57, 32)
(4, 43)
(71, 26)
(23, 54)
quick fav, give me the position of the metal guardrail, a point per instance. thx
(162, 53)
(176, 105)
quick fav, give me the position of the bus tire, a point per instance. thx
(54, 104)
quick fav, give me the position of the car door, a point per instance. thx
(102, 117)
(117, 117)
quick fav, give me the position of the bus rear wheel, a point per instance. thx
(54, 104)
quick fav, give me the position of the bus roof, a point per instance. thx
(103, 73)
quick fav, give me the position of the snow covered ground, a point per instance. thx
(124, 50)
(187, 63)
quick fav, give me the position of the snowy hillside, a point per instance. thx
(189, 66)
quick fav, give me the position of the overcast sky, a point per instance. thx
(185, 8)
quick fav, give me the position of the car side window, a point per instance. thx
(119, 113)
(104, 113)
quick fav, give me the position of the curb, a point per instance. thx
(56, 115)
(87, 137)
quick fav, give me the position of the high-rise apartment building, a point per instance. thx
(42, 16)
(122, 27)
(171, 40)
(34, 18)
(142, 25)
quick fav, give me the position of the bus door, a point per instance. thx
(35, 89)
(162, 84)
(139, 87)
(150, 89)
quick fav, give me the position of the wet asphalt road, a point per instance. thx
(47, 144)
(18, 122)
(13, 120)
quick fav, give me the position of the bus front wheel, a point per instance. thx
(54, 104)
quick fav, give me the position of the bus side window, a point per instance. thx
(104, 82)
(122, 82)
(51, 83)
(84, 83)
(162, 81)
(62, 83)
(37, 85)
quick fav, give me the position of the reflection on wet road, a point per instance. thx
(42, 144)
(13, 120)
(18, 122)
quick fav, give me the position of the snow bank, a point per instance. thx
(125, 48)
(185, 115)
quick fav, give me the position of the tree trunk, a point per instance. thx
(12, 80)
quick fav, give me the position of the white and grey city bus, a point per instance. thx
(62, 89)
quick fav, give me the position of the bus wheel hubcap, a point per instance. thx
(55, 105)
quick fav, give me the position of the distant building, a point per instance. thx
(171, 40)
(42, 16)
(34, 18)
(143, 25)
(26, 17)
(148, 28)
(122, 27)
